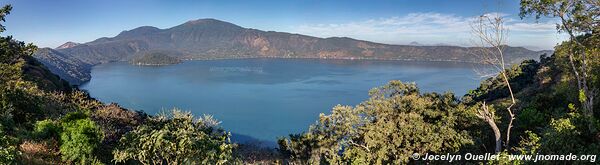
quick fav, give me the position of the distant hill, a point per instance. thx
(213, 39)
(67, 45)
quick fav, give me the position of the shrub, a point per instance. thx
(116, 121)
(8, 152)
(46, 129)
(79, 138)
(39, 152)
(175, 139)
(531, 118)
(568, 135)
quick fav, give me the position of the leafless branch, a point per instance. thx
(491, 36)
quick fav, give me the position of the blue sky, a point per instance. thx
(49, 23)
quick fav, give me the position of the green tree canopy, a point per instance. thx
(396, 122)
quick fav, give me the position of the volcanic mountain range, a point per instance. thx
(206, 39)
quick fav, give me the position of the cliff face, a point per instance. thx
(214, 39)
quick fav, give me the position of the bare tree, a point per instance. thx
(491, 39)
(488, 116)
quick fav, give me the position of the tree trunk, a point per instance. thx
(487, 116)
(588, 103)
(510, 112)
(497, 136)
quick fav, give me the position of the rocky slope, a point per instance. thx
(213, 39)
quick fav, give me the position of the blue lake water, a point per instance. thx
(266, 98)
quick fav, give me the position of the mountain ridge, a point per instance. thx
(205, 39)
(67, 45)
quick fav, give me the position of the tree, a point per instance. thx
(578, 18)
(394, 123)
(15, 102)
(176, 139)
(491, 40)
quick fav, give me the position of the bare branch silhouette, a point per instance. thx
(491, 40)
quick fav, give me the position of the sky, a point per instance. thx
(50, 23)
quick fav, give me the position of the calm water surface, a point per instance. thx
(266, 98)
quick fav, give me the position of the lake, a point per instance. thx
(266, 98)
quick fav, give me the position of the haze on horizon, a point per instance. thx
(52, 23)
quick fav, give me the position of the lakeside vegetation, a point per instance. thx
(154, 58)
(45, 121)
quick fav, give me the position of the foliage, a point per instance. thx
(394, 123)
(8, 152)
(154, 58)
(79, 138)
(580, 19)
(578, 15)
(568, 135)
(299, 148)
(175, 139)
(592, 49)
(256, 153)
(530, 144)
(493, 88)
(116, 121)
(35, 72)
(15, 101)
(46, 129)
(531, 118)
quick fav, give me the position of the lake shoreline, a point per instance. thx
(279, 96)
(79, 83)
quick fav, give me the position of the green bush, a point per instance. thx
(175, 139)
(569, 135)
(73, 116)
(45, 129)
(8, 152)
(79, 139)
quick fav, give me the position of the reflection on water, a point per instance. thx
(258, 70)
(266, 98)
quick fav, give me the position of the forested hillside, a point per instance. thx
(154, 58)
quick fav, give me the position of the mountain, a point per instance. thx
(67, 45)
(415, 43)
(213, 39)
